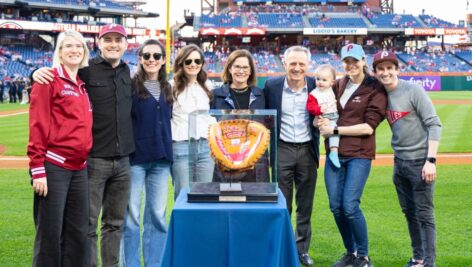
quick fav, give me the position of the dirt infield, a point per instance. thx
(6, 113)
(21, 162)
(452, 102)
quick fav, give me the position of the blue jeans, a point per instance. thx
(345, 187)
(152, 177)
(416, 200)
(192, 163)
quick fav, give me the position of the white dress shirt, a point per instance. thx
(295, 120)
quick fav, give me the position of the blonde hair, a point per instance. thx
(56, 61)
(327, 67)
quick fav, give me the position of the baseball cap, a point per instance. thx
(382, 56)
(352, 50)
(117, 28)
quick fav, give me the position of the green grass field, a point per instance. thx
(388, 238)
(455, 118)
(12, 106)
(389, 243)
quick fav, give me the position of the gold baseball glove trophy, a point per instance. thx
(238, 142)
(236, 145)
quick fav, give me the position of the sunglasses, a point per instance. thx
(156, 56)
(189, 61)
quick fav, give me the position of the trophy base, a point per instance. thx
(250, 192)
(230, 187)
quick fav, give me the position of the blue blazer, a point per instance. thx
(222, 98)
(273, 89)
(152, 130)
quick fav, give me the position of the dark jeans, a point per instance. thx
(416, 200)
(12, 94)
(109, 183)
(61, 219)
(296, 164)
(19, 93)
(345, 186)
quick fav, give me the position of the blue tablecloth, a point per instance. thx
(230, 235)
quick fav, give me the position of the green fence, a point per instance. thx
(456, 83)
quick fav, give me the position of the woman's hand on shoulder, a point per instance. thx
(43, 75)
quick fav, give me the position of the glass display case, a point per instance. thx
(232, 156)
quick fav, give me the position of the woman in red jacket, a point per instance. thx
(59, 143)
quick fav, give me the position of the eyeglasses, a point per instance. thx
(189, 61)
(156, 56)
(241, 68)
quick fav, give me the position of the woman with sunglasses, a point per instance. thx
(239, 91)
(191, 92)
(150, 163)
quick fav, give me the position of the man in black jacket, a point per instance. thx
(108, 83)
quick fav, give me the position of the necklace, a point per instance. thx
(241, 99)
(240, 91)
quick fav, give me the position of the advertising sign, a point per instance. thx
(429, 83)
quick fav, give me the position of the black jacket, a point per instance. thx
(110, 91)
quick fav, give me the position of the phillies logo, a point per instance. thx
(357, 99)
(384, 54)
(349, 47)
(10, 25)
(394, 116)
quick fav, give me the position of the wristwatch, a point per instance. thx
(431, 160)
(335, 130)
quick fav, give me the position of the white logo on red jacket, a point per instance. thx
(394, 116)
(66, 92)
(357, 99)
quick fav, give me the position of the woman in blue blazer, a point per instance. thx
(239, 91)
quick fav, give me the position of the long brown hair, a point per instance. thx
(180, 80)
(226, 76)
(140, 75)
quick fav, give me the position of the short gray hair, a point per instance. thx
(297, 48)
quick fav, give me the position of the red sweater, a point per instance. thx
(60, 124)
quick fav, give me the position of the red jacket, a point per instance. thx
(60, 124)
(313, 107)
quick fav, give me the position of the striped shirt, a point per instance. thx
(154, 88)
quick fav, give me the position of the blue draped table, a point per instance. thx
(230, 234)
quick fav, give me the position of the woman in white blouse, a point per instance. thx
(191, 93)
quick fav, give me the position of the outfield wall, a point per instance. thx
(431, 81)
